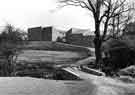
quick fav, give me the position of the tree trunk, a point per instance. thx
(97, 43)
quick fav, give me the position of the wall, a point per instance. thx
(47, 34)
(34, 34)
(40, 34)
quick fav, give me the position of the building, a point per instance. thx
(33, 32)
(45, 33)
(77, 37)
(72, 36)
(58, 33)
(40, 34)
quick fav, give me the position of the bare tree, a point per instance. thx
(103, 12)
(119, 22)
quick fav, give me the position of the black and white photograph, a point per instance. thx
(67, 47)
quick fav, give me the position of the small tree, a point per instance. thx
(103, 12)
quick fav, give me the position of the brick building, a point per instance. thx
(40, 34)
(33, 32)
(77, 37)
(47, 34)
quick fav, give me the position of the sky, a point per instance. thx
(32, 13)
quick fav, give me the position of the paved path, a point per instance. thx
(101, 85)
(32, 86)
(90, 85)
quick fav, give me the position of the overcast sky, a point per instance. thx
(32, 13)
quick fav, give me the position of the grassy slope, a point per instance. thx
(52, 52)
(57, 57)
(54, 46)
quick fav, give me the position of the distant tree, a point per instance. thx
(11, 34)
(9, 39)
(103, 12)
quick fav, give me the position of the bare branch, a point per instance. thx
(106, 13)
(84, 5)
(92, 6)
(117, 7)
(120, 12)
(80, 3)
